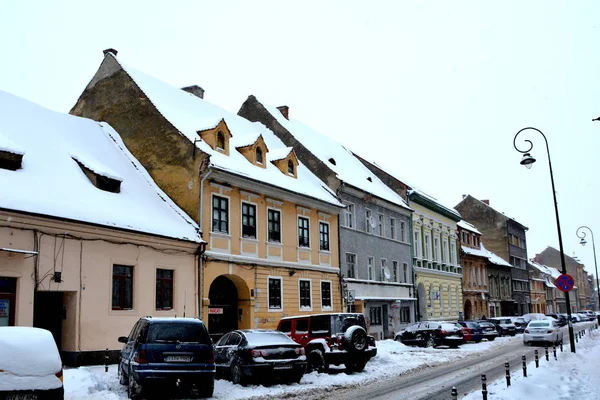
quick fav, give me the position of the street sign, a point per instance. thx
(565, 282)
(215, 310)
(351, 296)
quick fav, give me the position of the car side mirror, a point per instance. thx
(122, 339)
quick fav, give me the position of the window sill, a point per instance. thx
(221, 234)
(304, 248)
(325, 251)
(249, 239)
(277, 310)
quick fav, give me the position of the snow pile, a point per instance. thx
(573, 376)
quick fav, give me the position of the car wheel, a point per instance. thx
(355, 365)
(316, 361)
(237, 375)
(134, 391)
(356, 338)
(206, 389)
(296, 378)
(430, 342)
(491, 338)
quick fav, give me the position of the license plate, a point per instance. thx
(282, 366)
(537, 338)
(179, 358)
(22, 397)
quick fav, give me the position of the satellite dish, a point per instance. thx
(386, 273)
(373, 222)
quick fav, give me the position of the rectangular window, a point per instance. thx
(375, 315)
(303, 236)
(325, 294)
(349, 215)
(368, 221)
(418, 250)
(274, 222)
(405, 272)
(324, 236)
(453, 252)
(445, 254)
(164, 289)
(380, 224)
(248, 220)
(304, 292)
(392, 228)
(465, 237)
(384, 270)
(351, 265)
(395, 270)
(275, 288)
(220, 213)
(404, 314)
(122, 290)
(402, 231)
(436, 249)
(370, 268)
(427, 247)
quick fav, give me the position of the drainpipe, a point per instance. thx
(200, 251)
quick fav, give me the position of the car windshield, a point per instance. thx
(538, 324)
(177, 332)
(474, 325)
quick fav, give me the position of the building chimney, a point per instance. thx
(464, 196)
(112, 51)
(195, 90)
(285, 111)
(486, 202)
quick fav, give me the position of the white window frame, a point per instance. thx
(255, 219)
(402, 237)
(393, 228)
(328, 236)
(428, 249)
(269, 208)
(330, 307)
(370, 266)
(350, 215)
(269, 309)
(395, 271)
(405, 272)
(445, 251)
(368, 215)
(417, 244)
(300, 306)
(436, 248)
(354, 269)
(213, 195)
(381, 224)
(298, 235)
(453, 260)
(383, 262)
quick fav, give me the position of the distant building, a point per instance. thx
(475, 273)
(505, 237)
(555, 300)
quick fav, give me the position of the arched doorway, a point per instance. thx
(223, 308)
(468, 310)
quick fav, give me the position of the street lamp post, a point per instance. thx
(527, 161)
(583, 242)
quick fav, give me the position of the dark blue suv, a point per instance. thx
(167, 352)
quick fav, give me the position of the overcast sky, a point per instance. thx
(433, 91)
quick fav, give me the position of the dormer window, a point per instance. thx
(290, 167)
(259, 155)
(102, 181)
(10, 161)
(332, 160)
(220, 140)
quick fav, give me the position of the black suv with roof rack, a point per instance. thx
(336, 338)
(167, 352)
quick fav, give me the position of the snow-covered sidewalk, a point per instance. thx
(393, 358)
(572, 376)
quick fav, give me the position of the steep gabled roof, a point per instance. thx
(467, 226)
(471, 198)
(190, 114)
(51, 183)
(337, 158)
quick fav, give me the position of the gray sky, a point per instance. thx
(434, 91)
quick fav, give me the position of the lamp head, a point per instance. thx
(527, 160)
(582, 242)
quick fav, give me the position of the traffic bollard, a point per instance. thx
(547, 358)
(537, 360)
(577, 338)
(561, 346)
(524, 365)
(483, 387)
(554, 351)
(106, 357)
(507, 366)
(454, 393)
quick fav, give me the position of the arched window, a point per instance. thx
(220, 141)
(259, 155)
(290, 167)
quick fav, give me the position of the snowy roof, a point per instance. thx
(279, 154)
(9, 146)
(553, 272)
(467, 226)
(448, 211)
(52, 183)
(483, 252)
(190, 114)
(347, 167)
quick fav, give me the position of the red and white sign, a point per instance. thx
(215, 311)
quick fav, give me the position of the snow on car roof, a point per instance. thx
(28, 351)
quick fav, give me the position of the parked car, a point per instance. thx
(543, 331)
(560, 319)
(472, 331)
(504, 326)
(258, 354)
(488, 330)
(30, 365)
(335, 338)
(575, 317)
(520, 323)
(533, 316)
(165, 352)
(432, 334)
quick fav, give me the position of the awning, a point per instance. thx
(17, 251)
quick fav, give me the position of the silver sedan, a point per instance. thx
(542, 331)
